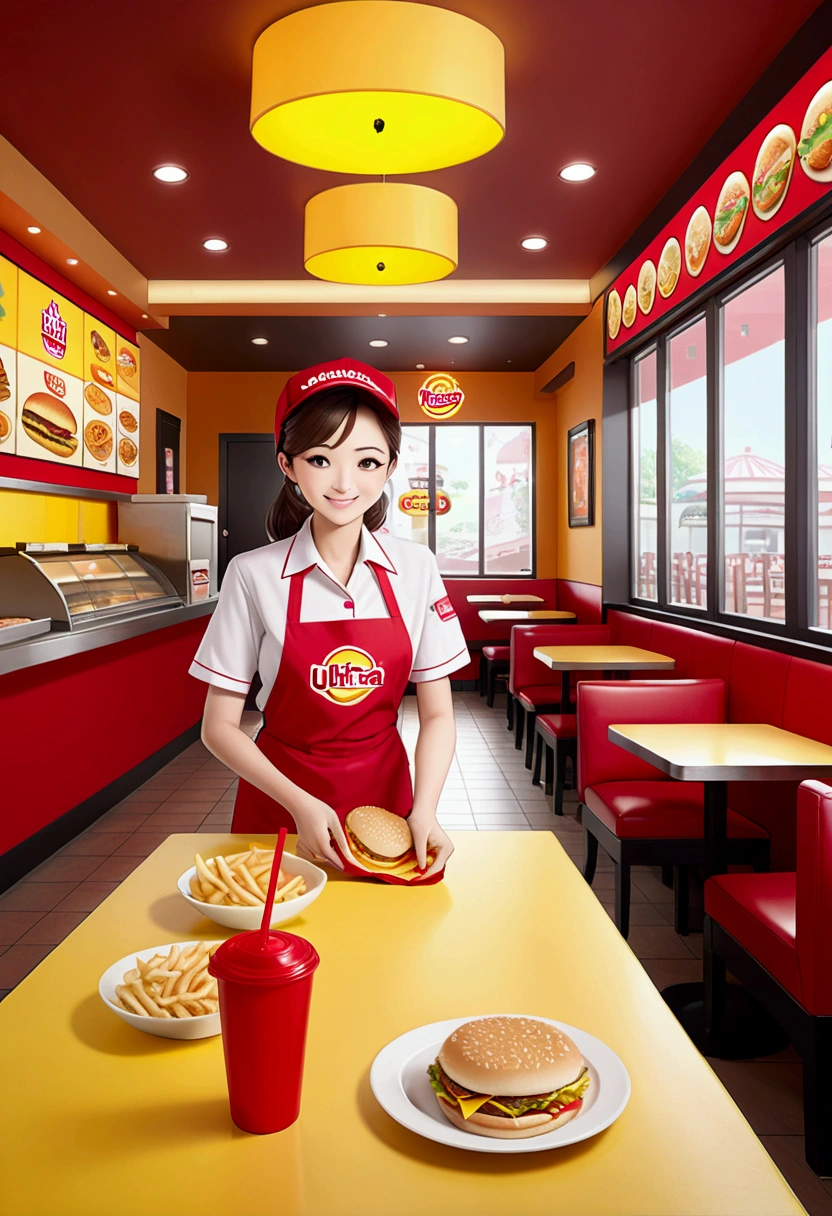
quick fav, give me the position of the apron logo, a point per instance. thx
(444, 609)
(346, 676)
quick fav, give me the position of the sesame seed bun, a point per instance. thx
(512, 1056)
(498, 1128)
(379, 834)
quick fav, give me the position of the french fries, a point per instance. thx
(242, 879)
(176, 985)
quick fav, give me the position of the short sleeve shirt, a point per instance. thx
(246, 632)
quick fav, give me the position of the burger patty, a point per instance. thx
(35, 420)
(488, 1109)
(362, 848)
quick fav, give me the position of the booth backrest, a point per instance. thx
(763, 686)
(813, 930)
(603, 703)
(526, 671)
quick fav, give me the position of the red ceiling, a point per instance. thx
(95, 94)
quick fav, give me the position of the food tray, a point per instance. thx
(17, 633)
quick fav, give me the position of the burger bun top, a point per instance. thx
(382, 832)
(510, 1056)
(51, 409)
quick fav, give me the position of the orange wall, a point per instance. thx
(579, 550)
(164, 387)
(239, 402)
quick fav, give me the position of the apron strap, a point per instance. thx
(296, 594)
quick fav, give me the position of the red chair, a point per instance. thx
(557, 737)
(630, 808)
(494, 667)
(774, 933)
(534, 687)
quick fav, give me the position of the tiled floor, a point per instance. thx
(488, 788)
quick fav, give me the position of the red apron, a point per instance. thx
(331, 717)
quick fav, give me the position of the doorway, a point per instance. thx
(249, 480)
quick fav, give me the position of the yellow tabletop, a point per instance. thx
(101, 1119)
(726, 751)
(494, 615)
(505, 599)
(602, 658)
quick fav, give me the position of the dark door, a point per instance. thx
(249, 480)
(167, 452)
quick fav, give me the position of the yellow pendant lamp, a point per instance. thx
(377, 86)
(380, 233)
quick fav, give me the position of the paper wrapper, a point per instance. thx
(351, 868)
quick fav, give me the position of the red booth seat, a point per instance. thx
(761, 916)
(649, 809)
(762, 686)
(558, 726)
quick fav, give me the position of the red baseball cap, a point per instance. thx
(304, 385)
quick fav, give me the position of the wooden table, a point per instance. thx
(505, 599)
(622, 659)
(101, 1119)
(716, 753)
(493, 616)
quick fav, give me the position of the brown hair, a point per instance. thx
(313, 424)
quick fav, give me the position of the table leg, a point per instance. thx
(745, 1028)
(564, 692)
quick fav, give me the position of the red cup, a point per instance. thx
(264, 1011)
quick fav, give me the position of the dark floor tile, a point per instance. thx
(143, 802)
(640, 914)
(789, 1156)
(161, 784)
(210, 783)
(666, 971)
(172, 826)
(94, 844)
(18, 961)
(657, 941)
(652, 886)
(87, 896)
(14, 924)
(188, 794)
(141, 844)
(52, 928)
(769, 1095)
(66, 869)
(116, 868)
(28, 896)
(603, 884)
(178, 806)
(118, 821)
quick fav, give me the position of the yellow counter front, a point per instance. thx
(100, 1119)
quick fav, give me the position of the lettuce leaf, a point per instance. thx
(564, 1096)
(822, 132)
(724, 218)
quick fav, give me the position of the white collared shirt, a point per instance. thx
(246, 632)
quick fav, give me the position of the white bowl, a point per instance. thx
(200, 1026)
(242, 918)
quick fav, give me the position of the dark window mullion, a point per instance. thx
(481, 524)
(801, 460)
(715, 457)
(432, 488)
(662, 478)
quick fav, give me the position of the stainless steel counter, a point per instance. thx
(59, 644)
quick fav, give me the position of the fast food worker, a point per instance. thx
(336, 621)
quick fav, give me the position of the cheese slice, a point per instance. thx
(470, 1106)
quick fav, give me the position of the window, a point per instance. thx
(644, 444)
(479, 479)
(754, 450)
(822, 614)
(687, 405)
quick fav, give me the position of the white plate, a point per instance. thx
(399, 1080)
(234, 917)
(201, 1026)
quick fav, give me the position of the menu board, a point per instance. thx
(780, 171)
(69, 385)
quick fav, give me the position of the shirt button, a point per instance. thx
(349, 604)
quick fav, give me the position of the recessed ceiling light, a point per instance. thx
(457, 341)
(259, 341)
(72, 261)
(215, 244)
(579, 172)
(378, 342)
(534, 242)
(144, 316)
(382, 314)
(110, 292)
(170, 173)
(420, 367)
(33, 228)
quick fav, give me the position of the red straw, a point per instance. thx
(269, 908)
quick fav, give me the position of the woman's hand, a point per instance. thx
(427, 834)
(316, 823)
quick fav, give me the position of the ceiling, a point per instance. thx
(96, 94)
(495, 344)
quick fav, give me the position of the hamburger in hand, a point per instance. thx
(509, 1078)
(381, 842)
(51, 423)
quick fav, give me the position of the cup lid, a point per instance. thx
(287, 957)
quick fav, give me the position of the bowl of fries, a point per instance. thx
(231, 890)
(165, 991)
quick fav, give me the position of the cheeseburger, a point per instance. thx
(381, 842)
(509, 1078)
(51, 423)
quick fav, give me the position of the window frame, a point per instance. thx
(433, 428)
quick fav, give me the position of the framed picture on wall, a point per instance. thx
(581, 475)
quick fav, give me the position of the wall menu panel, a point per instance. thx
(779, 172)
(61, 374)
